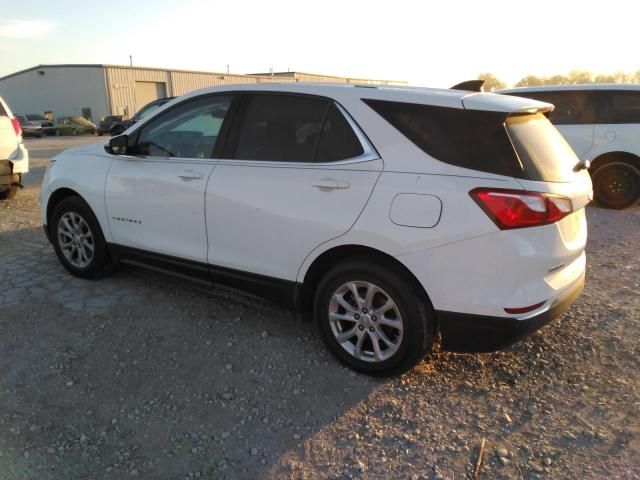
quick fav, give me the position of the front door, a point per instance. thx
(155, 196)
(296, 173)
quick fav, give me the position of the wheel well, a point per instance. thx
(328, 259)
(614, 157)
(56, 197)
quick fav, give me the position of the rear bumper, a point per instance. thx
(464, 332)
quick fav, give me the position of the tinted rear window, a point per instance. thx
(465, 138)
(521, 146)
(543, 151)
(620, 107)
(572, 107)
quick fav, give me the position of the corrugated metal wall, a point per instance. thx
(121, 86)
(120, 83)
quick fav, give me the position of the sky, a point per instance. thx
(427, 43)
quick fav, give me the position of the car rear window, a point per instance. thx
(543, 151)
(472, 139)
(520, 146)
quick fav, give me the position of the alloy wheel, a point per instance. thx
(365, 321)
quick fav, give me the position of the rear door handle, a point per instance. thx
(190, 175)
(330, 183)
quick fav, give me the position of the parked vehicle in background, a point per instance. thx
(601, 122)
(144, 112)
(107, 123)
(75, 126)
(14, 158)
(388, 212)
(35, 125)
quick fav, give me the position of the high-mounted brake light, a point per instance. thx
(16, 126)
(520, 208)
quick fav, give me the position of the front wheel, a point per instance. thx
(373, 318)
(78, 239)
(616, 185)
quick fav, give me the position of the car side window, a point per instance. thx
(620, 107)
(338, 140)
(283, 128)
(190, 130)
(572, 107)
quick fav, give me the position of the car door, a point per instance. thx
(296, 172)
(155, 197)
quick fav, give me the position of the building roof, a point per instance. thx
(275, 74)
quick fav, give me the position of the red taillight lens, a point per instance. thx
(519, 208)
(16, 126)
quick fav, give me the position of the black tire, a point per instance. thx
(9, 194)
(616, 185)
(74, 132)
(417, 315)
(58, 133)
(100, 262)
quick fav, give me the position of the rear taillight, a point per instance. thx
(16, 126)
(519, 208)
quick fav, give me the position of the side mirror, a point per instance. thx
(117, 145)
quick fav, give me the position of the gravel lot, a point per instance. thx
(140, 375)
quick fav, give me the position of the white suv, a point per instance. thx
(601, 122)
(389, 213)
(14, 158)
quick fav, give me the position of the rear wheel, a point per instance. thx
(78, 239)
(616, 185)
(373, 318)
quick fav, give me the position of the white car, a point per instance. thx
(390, 213)
(601, 122)
(14, 158)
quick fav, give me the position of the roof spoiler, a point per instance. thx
(470, 86)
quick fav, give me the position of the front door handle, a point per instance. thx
(330, 183)
(190, 175)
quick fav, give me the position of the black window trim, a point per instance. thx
(369, 152)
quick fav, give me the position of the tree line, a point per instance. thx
(491, 82)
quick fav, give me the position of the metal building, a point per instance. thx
(94, 91)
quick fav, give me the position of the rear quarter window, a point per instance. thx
(521, 146)
(619, 107)
(471, 139)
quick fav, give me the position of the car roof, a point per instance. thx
(579, 86)
(419, 95)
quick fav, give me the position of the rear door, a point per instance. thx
(297, 172)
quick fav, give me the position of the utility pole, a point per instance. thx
(130, 60)
(227, 69)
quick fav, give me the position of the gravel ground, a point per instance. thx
(140, 375)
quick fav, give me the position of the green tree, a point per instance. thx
(530, 81)
(580, 76)
(491, 82)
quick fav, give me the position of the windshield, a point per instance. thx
(543, 151)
